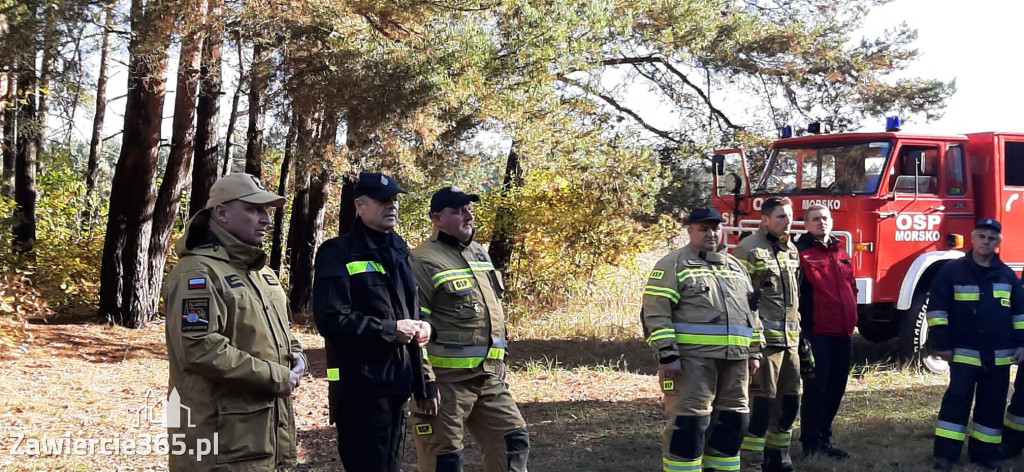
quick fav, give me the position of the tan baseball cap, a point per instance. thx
(244, 187)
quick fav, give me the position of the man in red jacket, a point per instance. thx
(828, 314)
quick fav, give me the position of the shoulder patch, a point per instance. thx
(657, 274)
(271, 280)
(424, 429)
(462, 284)
(195, 315)
(197, 284)
(233, 281)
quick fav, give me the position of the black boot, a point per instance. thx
(775, 461)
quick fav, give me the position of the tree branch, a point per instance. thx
(615, 104)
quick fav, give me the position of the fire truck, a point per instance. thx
(903, 204)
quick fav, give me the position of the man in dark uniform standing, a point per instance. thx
(365, 307)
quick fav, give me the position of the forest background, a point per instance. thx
(526, 102)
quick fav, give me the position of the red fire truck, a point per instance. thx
(904, 204)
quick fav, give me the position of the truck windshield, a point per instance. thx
(849, 168)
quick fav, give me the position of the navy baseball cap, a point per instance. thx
(989, 223)
(701, 215)
(451, 197)
(376, 186)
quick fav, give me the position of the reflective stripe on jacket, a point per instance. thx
(976, 311)
(228, 349)
(461, 293)
(773, 265)
(695, 304)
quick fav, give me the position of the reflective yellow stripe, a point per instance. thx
(713, 340)
(967, 297)
(662, 292)
(669, 465)
(496, 353)
(779, 439)
(661, 334)
(722, 463)
(481, 266)
(449, 275)
(938, 321)
(1001, 294)
(967, 360)
(425, 310)
(945, 433)
(983, 437)
(359, 267)
(455, 362)
(332, 374)
(751, 443)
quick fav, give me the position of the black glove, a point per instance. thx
(806, 359)
(752, 300)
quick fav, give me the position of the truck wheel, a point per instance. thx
(876, 331)
(913, 336)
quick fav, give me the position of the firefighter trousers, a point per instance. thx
(1013, 425)
(483, 406)
(371, 434)
(774, 405)
(706, 385)
(987, 387)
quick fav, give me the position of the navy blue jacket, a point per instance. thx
(363, 285)
(979, 309)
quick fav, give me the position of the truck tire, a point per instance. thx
(877, 331)
(913, 336)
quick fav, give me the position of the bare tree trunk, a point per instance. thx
(46, 74)
(125, 294)
(10, 139)
(311, 232)
(229, 138)
(204, 173)
(257, 87)
(296, 232)
(28, 130)
(182, 143)
(282, 187)
(96, 141)
(503, 239)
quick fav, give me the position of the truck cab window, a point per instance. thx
(1014, 153)
(955, 183)
(907, 178)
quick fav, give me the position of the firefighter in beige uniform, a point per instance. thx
(459, 293)
(696, 316)
(773, 261)
(233, 361)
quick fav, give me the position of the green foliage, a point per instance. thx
(69, 245)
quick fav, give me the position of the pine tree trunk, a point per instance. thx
(296, 245)
(503, 239)
(125, 294)
(168, 200)
(10, 149)
(282, 187)
(347, 210)
(204, 172)
(254, 135)
(96, 141)
(229, 137)
(29, 133)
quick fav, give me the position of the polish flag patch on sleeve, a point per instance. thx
(196, 284)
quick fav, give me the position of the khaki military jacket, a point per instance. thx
(460, 293)
(695, 304)
(228, 345)
(773, 265)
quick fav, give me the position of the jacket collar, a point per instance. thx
(206, 238)
(452, 241)
(367, 237)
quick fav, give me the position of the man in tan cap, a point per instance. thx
(233, 361)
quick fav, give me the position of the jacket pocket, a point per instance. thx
(246, 429)
(697, 299)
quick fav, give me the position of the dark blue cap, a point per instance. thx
(701, 215)
(376, 186)
(989, 223)
(451, 197)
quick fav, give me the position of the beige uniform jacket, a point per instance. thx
(695, 304)
(228, 343)
(773, 266)
(460, 292)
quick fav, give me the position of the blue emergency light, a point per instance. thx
(892, 123)
(786, 132)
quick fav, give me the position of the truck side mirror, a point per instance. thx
(919, 161)
(718, 164)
